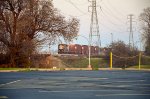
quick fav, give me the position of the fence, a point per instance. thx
(139, 56)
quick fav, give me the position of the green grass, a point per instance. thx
(17, 69)
(10, 68)
(84, 62)
(142, 67)
(75, 62)
(95, 62)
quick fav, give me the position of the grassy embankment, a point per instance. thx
(142, 66)
(14, 69)
(84, 62)
(80, 63)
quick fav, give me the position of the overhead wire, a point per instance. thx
(116, 10)
(110, 28)
(83, 14)
(112, 16)
(118, 29)
(107, 27)
(111, 13)
(80, 4)
(74, 5)
(108, 19)
(112, 23)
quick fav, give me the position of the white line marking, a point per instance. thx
(125, 95)
(9, 83)
(131, 81)
(117, 86)
(3, 97)
(55, 91)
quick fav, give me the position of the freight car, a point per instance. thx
(96, 50)
(77, 49)
(85, 50)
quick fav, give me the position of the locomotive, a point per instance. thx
(77, 49)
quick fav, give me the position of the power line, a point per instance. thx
(80, 4)
(116, 10)
(110, 21)
(110, 28)
(75, 6)
(81, 15)
(109, 12)
(82, 12)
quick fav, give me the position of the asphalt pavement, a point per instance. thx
(107, 84)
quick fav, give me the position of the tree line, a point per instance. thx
(125, 55)
(27, 24)
(145, 26)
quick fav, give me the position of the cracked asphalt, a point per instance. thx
(107, 84)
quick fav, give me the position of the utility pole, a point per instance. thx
(112, 38)
(94, 35)
(131, 38)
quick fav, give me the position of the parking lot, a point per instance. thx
(106, 84)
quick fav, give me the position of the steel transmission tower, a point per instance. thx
(94, 35)
(131, 38)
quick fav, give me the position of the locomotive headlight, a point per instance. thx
(61, 47)
(75, 47)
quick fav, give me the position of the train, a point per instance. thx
(78, 49)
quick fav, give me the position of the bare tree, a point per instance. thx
(22, 21)
(145, 19)
(122, 54)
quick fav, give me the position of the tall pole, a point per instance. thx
(112, 38)
(89, 66)
(94, 34)
(131, 38)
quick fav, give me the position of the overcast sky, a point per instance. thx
(112, 17)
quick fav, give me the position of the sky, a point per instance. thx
(112, 18)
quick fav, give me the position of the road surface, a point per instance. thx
(115, 84)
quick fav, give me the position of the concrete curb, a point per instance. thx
(67, 69)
